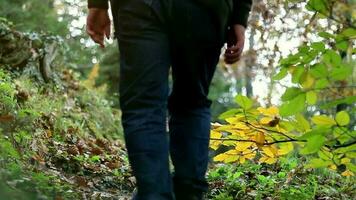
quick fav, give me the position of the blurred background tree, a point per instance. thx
(276, 28)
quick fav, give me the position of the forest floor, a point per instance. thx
(66, 143)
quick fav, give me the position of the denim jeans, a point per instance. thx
(156, 36)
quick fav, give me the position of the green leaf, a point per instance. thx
(351, 154)
(281, 74)
(230, 113)
(340, 73)
(323, 120)
(342, 118)
(297, 74)
(319, 71)
(321, 83)
(320, 46)
(313, 145)
(346, 149)
(332, 57)
(311, 97)
(302, 122)
(325, 155)
(304, 49)
(291, 93)
(351, 167)
(342, 44)
(349, 32)
(318, 163)
(290, 60)
(346, 100)
(294, 106)
(326, 35)
(314, 131)
(317, 5)
(244, 102)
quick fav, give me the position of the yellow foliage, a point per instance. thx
(347, 173)
(243, 146)
(307, 80)
(270, 151)
(271, 111)
(215, 134)
(214, 144)
(235, 155)
(253, 128)
(345, 160)
(94, 73)
(266, 120)
(220, 157)
(333, 167)
(260, 138)
(241, 126)
(268, 160)
(285, 148)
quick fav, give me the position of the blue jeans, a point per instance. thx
(155, 36)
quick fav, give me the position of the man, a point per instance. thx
(154, 36)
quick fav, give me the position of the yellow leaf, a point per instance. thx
(333, 167)
(271, 111)
(94, 73)
(231, 158)
(240, 117)
(214, 144)
(285, 148)
(224, 128)
(232, 152)
(345, 160)
(231, 120)
(347, 173)
(236, 132)
(292, 69)
(250, 155)
(280, 129)
(267, 160)
(242, 146)
(307, 80)
(260, 138)
(270, 151)
(241, 125)
(220, 157)
(266, 120)
(228, 143)
(242, 159)
(262, 110)
(215, 134)
(271, 160)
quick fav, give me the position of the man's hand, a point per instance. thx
(98, 25)
(236, 42)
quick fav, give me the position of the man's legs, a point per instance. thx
(195, 52)
(145, 60)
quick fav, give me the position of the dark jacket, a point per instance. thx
(239, 15)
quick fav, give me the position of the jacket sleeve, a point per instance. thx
(240, 13)
(98, 4)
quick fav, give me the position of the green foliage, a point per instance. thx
(286, 180)
(47, 128)
(315, 110)
(27, 15)
(7, 94)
